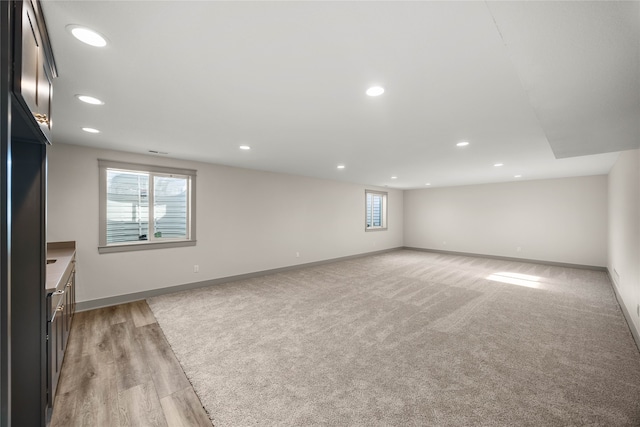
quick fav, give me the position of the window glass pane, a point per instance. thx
(170, 207)
(127, 206)
(376, 210)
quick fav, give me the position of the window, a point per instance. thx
(376, 210)
(145, 207)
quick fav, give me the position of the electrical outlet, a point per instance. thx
(297, 254)
(196, 268)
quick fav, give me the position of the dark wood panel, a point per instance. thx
(5, 224)
(28, 311)
(22, 236)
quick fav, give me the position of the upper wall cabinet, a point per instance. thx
(34, 66)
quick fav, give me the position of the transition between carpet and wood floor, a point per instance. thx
(120, 371)
(402, 338)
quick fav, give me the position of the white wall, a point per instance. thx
(247, 221)
(558, 220)
(624, 230)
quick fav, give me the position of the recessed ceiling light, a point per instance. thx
(340, 166)
(428, 183)
(245, 147)
(517, 176)
(394, 177)
(462, 144)
(498, 165)
(87, 36)
(89, 99)
(91, 130)
(375, 91)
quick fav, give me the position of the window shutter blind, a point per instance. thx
(127, 206)
(170, 207)
(376, 210)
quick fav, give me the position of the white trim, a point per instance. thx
(152, 242)
(102, 163)
(383, 210)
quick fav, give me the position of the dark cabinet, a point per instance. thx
(54, 344)
(27, 278)
(34, 68)
(28, 86)
(27, 69)
(61, 306)
(69, 305)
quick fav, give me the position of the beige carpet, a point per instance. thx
(409, 338)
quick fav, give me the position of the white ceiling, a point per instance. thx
(550, 89)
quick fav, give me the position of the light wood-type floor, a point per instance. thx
(120, 371)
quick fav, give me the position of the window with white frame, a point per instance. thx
(145, 206)
(375, 210)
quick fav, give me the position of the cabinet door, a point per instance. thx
(30, 56)
(73, 291)
(43, 100)
(68, 308)
(54, 361)
(35, 77)
(60, 339)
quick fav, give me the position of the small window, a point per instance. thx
(376, 210)
(145, 207)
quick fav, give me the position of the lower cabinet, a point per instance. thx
(54, 345)
(68, 307)
(61, 307)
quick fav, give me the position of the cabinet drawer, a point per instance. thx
(56, 299)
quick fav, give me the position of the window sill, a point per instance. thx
(375, 229)
(129, 247)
